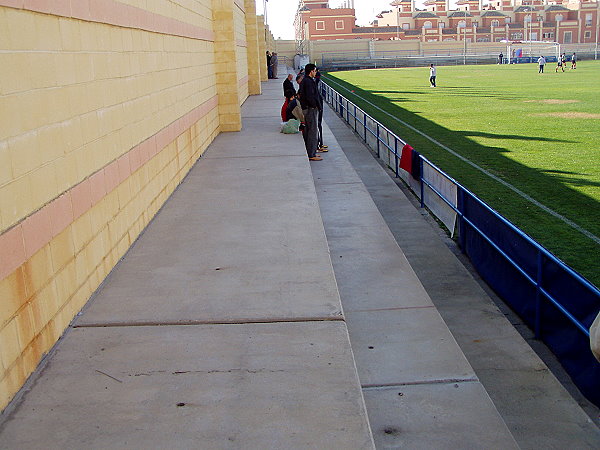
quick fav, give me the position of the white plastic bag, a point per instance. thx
(595, 337)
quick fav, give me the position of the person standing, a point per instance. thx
(500, 58)
(541, 63)
(574, 61)
(309, 100)
(269, 67)
(287, 84)
(322, 147)
(432, 75)
(274, 62)
(559, 64)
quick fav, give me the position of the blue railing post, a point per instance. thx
(421, 182)
(396, 156)
(378, 139)
(538, 296)
(365, 125)
(462, 238)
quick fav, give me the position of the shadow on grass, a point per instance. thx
(551, 188)
(512, 136)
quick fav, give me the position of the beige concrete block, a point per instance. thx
(24, 153)
(38, 270)
(15, 73)
(25, 326)
(70, 34)
(62, 249)
(43, 304)
(66, 283)
(15, 201)
(65, 69)
(47, 32)
(51, 142)
(13, 294)
(66, 168)
(82, 232)
(22, 32)
(6, 172)
(43, 185)
(10, 349)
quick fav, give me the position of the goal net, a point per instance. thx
(532, 50)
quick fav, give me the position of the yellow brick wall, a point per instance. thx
(111, 115)
(241, 52)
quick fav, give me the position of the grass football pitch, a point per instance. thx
(538, 132)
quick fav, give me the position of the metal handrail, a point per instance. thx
(337, 100)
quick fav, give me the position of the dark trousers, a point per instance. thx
(541, 69)
(320, 134)
(311, 131)
(432, 81)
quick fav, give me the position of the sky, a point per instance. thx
(280, 13)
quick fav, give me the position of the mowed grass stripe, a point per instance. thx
(481, 169)
(539, 134)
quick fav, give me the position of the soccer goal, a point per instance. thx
(530, 51)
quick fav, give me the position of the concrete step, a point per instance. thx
(420, 390)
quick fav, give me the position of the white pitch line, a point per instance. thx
(527, 197)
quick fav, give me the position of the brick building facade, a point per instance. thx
(563, 21)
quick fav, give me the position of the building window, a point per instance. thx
(406, 26)
(427, 24)
(442, 25)
(495, 23)
(320, 25)
(462, 24)
(588, 20)
(483, 39)
(587, 34)
(475, 24)
(527, 18)
(549, 35)
(507, 20)
(568, 37)
(558, 17)
(516, 36)
(533, 36)
(339, 24)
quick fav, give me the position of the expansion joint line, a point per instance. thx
(527, 197)
(417, 383)
(339, 318)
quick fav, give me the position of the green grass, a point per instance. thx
(499, 118)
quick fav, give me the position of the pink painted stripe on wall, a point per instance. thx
(22, 241)
(113, 13)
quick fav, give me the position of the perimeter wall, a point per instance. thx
(105, 105)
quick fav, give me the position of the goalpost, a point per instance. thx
(532, 50)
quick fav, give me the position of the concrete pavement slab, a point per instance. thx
(411, 345)
(434, 417)
(241, 239)
(530, 399)
(255, 386)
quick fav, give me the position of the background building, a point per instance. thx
(565, 21)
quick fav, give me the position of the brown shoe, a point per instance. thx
(322, 150)
(324, 146)
(316, 158)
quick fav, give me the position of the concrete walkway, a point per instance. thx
(221, 328)
(538, 410)
(223, 325)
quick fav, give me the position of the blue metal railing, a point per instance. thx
(350, 112)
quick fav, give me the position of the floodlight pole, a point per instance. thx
(597, 31)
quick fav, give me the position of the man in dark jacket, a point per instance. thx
(310, 101)
(287, 84)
